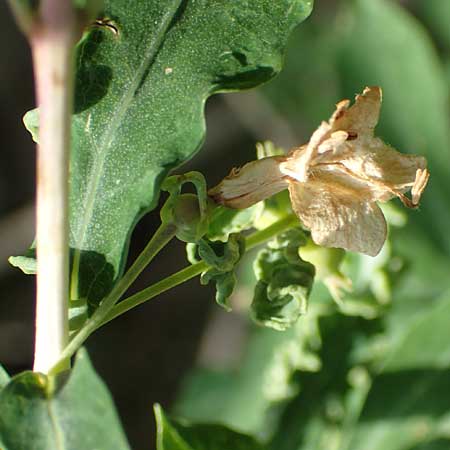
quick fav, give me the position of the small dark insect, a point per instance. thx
(106, 23)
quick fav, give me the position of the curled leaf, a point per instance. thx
(223, 258)
(284, 282)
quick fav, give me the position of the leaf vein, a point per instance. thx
(115, 122)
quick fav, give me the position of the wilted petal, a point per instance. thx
(394, 173)
(422, 176)
(362, 116)
(300, 158)
(339, 218)
(255, 181)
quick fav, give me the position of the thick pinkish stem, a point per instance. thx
(52, 39)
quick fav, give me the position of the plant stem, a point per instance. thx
(276, 228)
(52, 41)
(161, 237)
(106, 311)
(189, 272)
(152, 291)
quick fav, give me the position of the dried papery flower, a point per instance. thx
(335, 180)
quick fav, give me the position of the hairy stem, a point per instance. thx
(52, 41)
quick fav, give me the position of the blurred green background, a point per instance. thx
(372, 375)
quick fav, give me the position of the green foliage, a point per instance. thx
(252, 396)
(26, 262)
(4, 378)
(177, 435)
(222, 257)
(224, 221)
(72, 412)
(401, 405)
(371, 373)
(139, 105)
(435, 14)
(284, 281)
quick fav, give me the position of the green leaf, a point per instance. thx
(225, 221)
(415, 379)
(284, 282)
(223, 256)
(343, 407)
(436, 14)
(250, 395)
(70, 412)
(439, 444)
(425, 343)
(4, 378)
(225, 284)
(139, 108)
(178, 435)
(27, 262)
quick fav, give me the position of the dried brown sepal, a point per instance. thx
(255, 181)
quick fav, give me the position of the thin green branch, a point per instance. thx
(160, 239)
(152, 291)
(162, 236)
(187, 273)
(107, 312)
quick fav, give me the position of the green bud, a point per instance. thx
(187, 218)
(188, 212)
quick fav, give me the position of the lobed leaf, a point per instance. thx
(141, 85)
